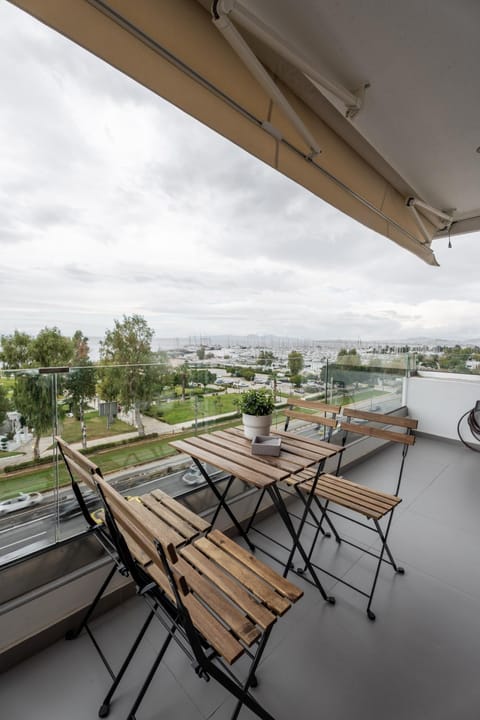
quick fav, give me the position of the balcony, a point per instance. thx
(418, 659)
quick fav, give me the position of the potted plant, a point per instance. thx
(256, 407)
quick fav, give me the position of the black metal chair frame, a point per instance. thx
(102, 535)
(326, 510)
(327, 434)
(176, 619)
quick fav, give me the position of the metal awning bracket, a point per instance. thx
(220, 12)
(445, 218)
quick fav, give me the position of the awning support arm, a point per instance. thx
(238, 44)
(352, 101)
(413, 203)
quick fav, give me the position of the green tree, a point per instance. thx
(295, 362)
(51, 349)
(34, 394)
(296, 380)
(265, 357)
(181, 377)
(201, 352)
(132, 380)
(15, 352)
(349, 358)
(205, 377)
(33, 399)
(4, 404)
(81, 381)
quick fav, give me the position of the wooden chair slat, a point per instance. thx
(310, 444)
(217, 636)
(406, 422)
(262, 590)
(317, 405)
(218, 603)
(195, 520)
(311, 417)
(78, 457)
(182, 527)
(281, 584)
(366, 501)
(250, 605)
(373, 431)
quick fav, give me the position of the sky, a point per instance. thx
(114, 202)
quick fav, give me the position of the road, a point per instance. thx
(28, 530)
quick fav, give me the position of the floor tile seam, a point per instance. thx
(183, 689)
(457, 530)
(442, 581)
(423, 490)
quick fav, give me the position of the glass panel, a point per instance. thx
(131, 443)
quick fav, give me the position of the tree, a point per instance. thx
(33, 399)
(349, 358)
(4, 404)
(81, 381)
(205, 377)
(15, 351)
(81, 348)
(182, 377)
(265, 357)
(132, 381)
(51, 349)
(295, 362)
(34, 395)
(201, 352)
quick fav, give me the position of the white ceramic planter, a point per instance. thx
(256, 425)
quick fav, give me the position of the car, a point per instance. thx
(22, 501)
(69, 506)
(193, 476)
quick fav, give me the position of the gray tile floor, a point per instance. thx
(419, 660)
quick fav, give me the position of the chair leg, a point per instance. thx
(370, 614)
(251, 680)
(105, 706)
(326, 517)
(151, 674)
(72, 634)
(296, 545)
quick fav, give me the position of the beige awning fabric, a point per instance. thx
(173, 48)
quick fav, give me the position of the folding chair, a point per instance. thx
(322, 415)
(373, 505)
(215, 600)
(83, 470)
(312, 412)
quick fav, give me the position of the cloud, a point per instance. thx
(112, 202)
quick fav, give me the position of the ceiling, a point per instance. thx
(367, 104)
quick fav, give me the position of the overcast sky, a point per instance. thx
(114, 202)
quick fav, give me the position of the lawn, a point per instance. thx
(111, 460)
(96, 428)
(180, 411)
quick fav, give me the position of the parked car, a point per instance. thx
(23, 500)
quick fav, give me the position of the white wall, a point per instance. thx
(439, 400)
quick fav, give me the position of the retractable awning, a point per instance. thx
(364, 104)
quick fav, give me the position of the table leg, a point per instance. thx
(222, 503)
(279, 505)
